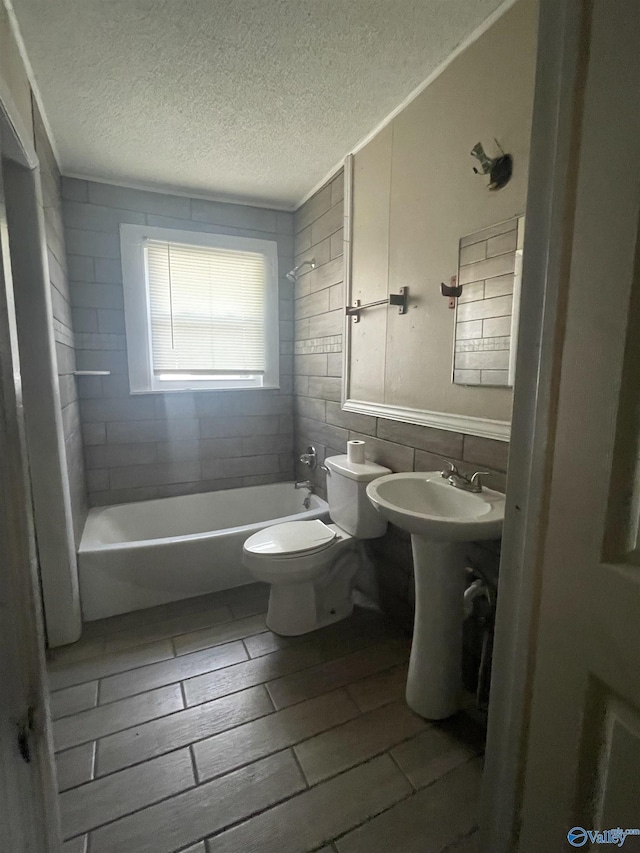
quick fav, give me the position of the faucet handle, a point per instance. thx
(475, 478)
(448, 471)
(309, 458)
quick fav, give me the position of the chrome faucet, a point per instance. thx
(306, 484)
(310, 458)
(460, 481)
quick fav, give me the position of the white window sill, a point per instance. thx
(197, 390)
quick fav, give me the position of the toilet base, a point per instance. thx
(289, 619)
(299, 608)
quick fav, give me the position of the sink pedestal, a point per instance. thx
(435, 669)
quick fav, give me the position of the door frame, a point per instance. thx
(33, 821)
(550, 209)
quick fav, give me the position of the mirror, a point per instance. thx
(486, 322)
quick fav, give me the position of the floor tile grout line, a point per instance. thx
(376, 641)
(225, 696)
(453, 844)
(173, 749)
(308, 787)
(222, 603)
(106, 655)
(194, 766)
(292, 747)
(312, 666)
(153, 719)
(408, 796)
(184, 698)
(146, 642)
(184, 791)
(393, 758)
(114, 635)
(170, 637)
(98, 826)
(175, 656)
(385, 750)
(305, 791)
(289, 747)
(94, 760)
(412, 793)
(143, 665)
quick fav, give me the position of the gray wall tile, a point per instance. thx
(319, 418)
(152, 445)
(60, 274)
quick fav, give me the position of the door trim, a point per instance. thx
(550, 210)
(36, 820)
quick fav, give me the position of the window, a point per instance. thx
(201, 310)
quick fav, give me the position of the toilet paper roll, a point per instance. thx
(355, 451)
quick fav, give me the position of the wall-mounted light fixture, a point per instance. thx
(498, 168)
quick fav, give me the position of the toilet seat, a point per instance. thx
(297, 552)
(293, 538)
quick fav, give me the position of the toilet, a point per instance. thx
(311, 565)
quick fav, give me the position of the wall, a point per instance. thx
(415, 195)
(62, 324)
(156, 445)
(15, 90)
(58, 490)
(319, 419)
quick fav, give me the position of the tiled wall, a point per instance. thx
(487, 263)
(155, 445)
(62, 323)
(319, 419)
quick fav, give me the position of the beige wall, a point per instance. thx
(320, 420)
(415, 195)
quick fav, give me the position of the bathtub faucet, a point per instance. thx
(306, 484)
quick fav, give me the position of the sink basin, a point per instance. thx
(426, 504)
(441, 520)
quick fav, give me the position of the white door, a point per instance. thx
(28, 808)
(582, 766)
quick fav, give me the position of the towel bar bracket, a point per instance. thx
(400, 299)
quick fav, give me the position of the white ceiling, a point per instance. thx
(254, 99)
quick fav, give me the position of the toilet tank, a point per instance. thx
(349, 506)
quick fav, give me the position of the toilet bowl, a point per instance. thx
(311, 565)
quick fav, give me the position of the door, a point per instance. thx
(28, 801)
(582, 768)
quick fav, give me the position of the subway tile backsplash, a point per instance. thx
(154, 445)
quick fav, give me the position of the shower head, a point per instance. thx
(293, 275)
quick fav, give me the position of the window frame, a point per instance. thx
(137, 310)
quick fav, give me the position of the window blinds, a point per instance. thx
(207, 309)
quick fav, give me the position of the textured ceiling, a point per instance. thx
(248, 98)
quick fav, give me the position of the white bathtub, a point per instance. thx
(143, 554)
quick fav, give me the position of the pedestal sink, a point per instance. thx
(441, 520)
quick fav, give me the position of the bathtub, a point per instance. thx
(139, 555)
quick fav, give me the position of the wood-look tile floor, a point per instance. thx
(190, 727)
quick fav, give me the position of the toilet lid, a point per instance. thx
(293, 537)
